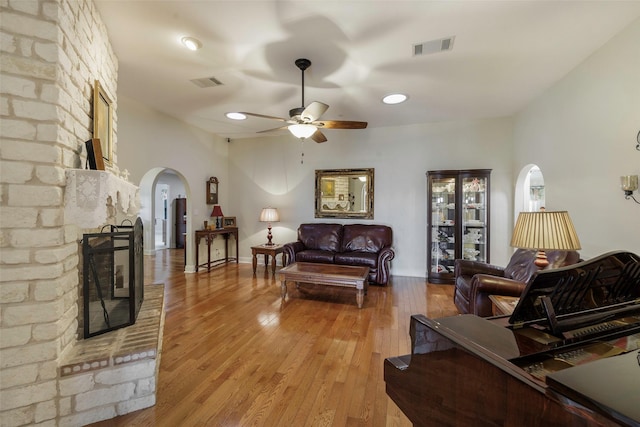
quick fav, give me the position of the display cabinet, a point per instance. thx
(458, 220)
(181, 221)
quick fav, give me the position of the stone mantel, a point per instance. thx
(86, 197)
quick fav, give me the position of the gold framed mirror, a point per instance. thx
(344, 193)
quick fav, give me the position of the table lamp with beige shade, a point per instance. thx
(545, 230)
(269, 215)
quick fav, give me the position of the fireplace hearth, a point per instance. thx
(113, 276)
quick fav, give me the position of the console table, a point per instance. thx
(210, 235)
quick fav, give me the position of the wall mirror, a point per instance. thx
(344, 193)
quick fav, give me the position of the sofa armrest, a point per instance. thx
(483, 285)
(464, 267)
(290, 250)
(385, 256)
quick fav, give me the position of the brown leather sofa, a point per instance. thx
(367, 245)
(475, 281)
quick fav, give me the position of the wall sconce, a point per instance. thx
(629, 184)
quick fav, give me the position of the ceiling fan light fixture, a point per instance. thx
(302, 130)
(191, 43)
(236, 116)
(394, 98)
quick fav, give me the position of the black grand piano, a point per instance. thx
(569, 355)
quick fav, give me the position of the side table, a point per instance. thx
(268, 251)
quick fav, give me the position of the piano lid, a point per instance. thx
(589, 289)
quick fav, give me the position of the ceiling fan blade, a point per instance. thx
(340, 124)
(314, 111)
(272, 130)
(263, 116)
(318, 136)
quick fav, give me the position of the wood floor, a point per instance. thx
(234, 355)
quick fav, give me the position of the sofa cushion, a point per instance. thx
(323, 237)
(364, 259)
(313, 255)
(369, 238)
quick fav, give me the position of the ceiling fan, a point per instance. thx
(305, 122)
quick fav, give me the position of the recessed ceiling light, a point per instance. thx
(191, 43)
(395, 98)
(236, 116)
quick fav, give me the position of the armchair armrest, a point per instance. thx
(290, 250)
(464, 267)
(483, 285)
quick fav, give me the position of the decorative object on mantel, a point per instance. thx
(217, 214)
(103, 121)
(545, 230)
(95, 160)
(87, 193)
(212, 191)
(269, 215)
(629, 184)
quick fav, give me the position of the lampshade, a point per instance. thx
(217, 211)
(629, 183)
(302, 131)
(269, 215)
(545, 230)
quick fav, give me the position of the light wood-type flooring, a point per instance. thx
(234, 355)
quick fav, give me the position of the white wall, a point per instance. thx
(582, 134)
(148, 139)
(267, 172)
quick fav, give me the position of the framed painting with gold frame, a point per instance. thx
(103, 122)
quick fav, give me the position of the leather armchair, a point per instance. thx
(475, 281)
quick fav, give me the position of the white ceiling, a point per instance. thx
(505, 54)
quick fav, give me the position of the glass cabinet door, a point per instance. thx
(443, 219)
(474, 218)
(458, 220)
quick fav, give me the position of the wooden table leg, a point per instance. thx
(255, 260)
(359, 297)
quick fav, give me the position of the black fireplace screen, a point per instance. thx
(113, 275)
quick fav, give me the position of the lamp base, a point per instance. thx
(218, 222)
(541, 260)
(269, 237)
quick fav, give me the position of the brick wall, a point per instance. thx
(52, 52)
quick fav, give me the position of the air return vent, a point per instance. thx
(433, 46)
(207, 82)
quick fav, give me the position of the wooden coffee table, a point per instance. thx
(326, 274)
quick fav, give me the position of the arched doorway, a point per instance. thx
(153, 208)
(530, 190)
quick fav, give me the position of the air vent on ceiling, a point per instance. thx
(207, 82)
(433, 46)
